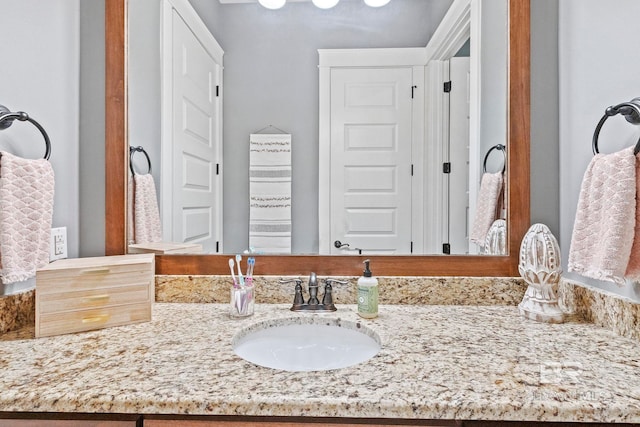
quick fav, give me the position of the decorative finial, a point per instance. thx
(540, 267)
(496, 241)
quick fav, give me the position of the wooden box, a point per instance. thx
(74, 295)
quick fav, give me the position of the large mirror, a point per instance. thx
(517, 189)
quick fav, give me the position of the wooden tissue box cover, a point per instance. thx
(74, 295)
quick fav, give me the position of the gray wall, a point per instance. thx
(144, 83)
(493, 82)
(598, 67)
(91, 117)
(39, 74)
(545, 161)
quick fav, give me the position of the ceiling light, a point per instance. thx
(325, 4)
(272, 4)
(376, 3)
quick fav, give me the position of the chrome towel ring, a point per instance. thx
(7, 118)
(138, 149)
(631, 112)
(499, 147)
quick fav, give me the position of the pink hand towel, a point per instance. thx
(147, 227)
(131, 236)
(488, 206)
(633, 268)
(605, 218)
(26, 212)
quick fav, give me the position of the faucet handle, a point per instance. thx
(327, 299)
(298, 298)
(329, 281)
(296, 280)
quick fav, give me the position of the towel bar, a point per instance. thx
(7, 117)
(498, 147)
(139, 149)
(631, 112)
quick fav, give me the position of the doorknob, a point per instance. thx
(338, 244)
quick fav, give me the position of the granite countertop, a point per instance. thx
(436, 362)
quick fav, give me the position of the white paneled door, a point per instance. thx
(195, 146)
(371, 142)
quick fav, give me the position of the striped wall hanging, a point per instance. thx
(270, 192)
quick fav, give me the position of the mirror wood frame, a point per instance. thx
(518, 219)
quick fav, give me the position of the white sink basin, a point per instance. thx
(306, 344)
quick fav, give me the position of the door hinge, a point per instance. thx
(411, 247)
(413, 88)
(447, 86)
(217, 247)
(446, 248)
(217, 168)
(446, 167)
(217, 90)
(411, 170)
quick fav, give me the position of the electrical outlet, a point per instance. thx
(58, 247)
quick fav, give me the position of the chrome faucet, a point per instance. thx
(313, 303)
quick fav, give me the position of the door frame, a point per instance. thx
(416, 58)
(206, 39)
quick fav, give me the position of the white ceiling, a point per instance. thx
(251, 1)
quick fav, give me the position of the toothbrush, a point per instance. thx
(231, 265)
(240, 278)
(238, 292)
(251, 262)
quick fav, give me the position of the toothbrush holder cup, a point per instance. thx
(242, 299)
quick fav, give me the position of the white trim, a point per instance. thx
(417, 154)
(386, 57)
(324, 162)
(436, 134)
(452, 33)
(475, 111)
(166, 121)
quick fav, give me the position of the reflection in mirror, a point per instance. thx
(272, 78)
(116, 152)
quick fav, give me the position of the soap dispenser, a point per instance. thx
(367, 294)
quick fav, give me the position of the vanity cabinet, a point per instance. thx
(186, 422)
(70, 420)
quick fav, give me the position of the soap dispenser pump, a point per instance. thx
(367, 293)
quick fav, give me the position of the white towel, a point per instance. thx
(26, 213)
(488, 207)
(147, 226)
(603, 232)
(270, 192)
